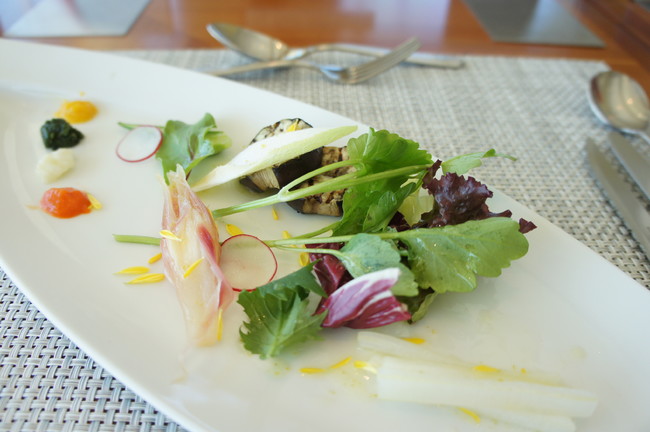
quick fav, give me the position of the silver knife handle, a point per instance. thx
(645, 135)
(419, 58)
(636, 164)
(629, 207)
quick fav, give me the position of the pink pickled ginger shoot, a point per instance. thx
(191, 260)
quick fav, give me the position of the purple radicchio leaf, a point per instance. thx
(365, 302)
(329, 270)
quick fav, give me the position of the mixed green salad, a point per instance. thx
(412, 228)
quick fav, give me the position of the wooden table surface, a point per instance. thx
(443, 26)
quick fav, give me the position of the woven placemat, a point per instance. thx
(531, 108)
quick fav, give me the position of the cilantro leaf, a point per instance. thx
(279, 314)
(188, 145)
(298, 280)
(448, 259)
(463, 163)
(369, 206)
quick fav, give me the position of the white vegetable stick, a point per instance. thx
(430, 383)
(383, 344)
(527, 421)
(270, 151)
(395, 346)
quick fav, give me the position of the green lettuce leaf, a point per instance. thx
(188, 145)
(369, 206)
(365, 253)
(449, 258)
(463, 163)
(280, 315)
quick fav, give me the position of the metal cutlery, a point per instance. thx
(620, 102)
(636, 164)
(259, 46)
(348, 75)
(629, 207)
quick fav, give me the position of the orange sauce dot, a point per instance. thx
(65, 202)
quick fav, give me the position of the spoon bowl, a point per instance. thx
(620, 102)
(265, 48)
(250, 43)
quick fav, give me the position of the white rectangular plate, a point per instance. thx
(562, 309)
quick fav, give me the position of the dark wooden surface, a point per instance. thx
(444, 26)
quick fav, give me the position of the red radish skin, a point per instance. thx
(247, 262)
(140, 144)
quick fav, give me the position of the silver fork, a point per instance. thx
(348, 75)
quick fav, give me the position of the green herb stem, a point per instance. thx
(340, 182)
(319, 231)
(320, 170)
(135, 239)
(333, 239)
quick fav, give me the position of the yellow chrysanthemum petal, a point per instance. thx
(134, 270)
(233, 230)
(414, 340)
(169, 235)
(191, 267)
(94, 203)
(147, 278)
(155, 258)
(341, 363)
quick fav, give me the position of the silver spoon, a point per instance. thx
(620, 102)
(259, 46)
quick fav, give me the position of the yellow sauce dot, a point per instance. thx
(360, 364)
(77, 111)
(274, 213)
(414, 340)
(304, 259)
(486, 369)
(233, 230)
(285, 234)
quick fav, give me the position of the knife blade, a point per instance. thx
(630, 208)
(636, 164)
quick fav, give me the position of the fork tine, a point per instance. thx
(370, 69)
(398, 53)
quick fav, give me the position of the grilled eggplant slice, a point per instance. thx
(327, 203)
(275, 177)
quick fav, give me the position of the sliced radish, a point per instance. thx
(247, 262)
(140, 143)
